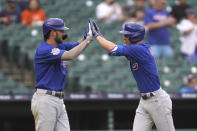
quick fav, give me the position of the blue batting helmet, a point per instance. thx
(135, 31)
(53, 24)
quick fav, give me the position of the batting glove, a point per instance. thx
(85, 34)
(89, 33)
(95, 29)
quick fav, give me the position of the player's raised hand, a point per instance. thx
(95, 29)
(89, 32)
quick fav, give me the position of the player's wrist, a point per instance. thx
(98, 34)
(89, 38)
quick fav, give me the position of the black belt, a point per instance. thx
(59, 94)
(146, 96)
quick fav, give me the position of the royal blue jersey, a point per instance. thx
(159, 36)
(50, 71)
(188, 90)
(142, 65)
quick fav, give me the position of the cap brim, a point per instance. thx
(66, 28)
(62, 28)
(125, 32)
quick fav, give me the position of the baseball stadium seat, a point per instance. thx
(20, 89)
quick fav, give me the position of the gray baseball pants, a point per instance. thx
(155, 110)
(49, 112)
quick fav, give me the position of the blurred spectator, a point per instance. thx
(131, 11)
(151, 3)
(137, 18)
(188, 29)
(11, 14)
(23, 4)
(108, 11)
(34, 15)
(178, 11)
(157, 21)
(191, 86)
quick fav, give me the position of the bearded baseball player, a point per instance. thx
(155, 106)
(47, 104)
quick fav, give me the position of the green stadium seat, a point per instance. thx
(21, 89)
(103, 87)
(1, 76)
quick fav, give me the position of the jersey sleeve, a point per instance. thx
(24, 17)
(99, 12)
(68, 46)
(117, 51)
(49, 55)
(148, 17)
(168, 14)
(134, 51)
(42, 14)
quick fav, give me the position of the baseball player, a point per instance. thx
(47, 104)
(155, 106)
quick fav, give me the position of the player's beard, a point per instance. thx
(65, 36)
(58, 40)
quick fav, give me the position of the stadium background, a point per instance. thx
(101, 94)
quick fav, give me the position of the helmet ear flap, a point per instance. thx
(130, 38)
(135, 37)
